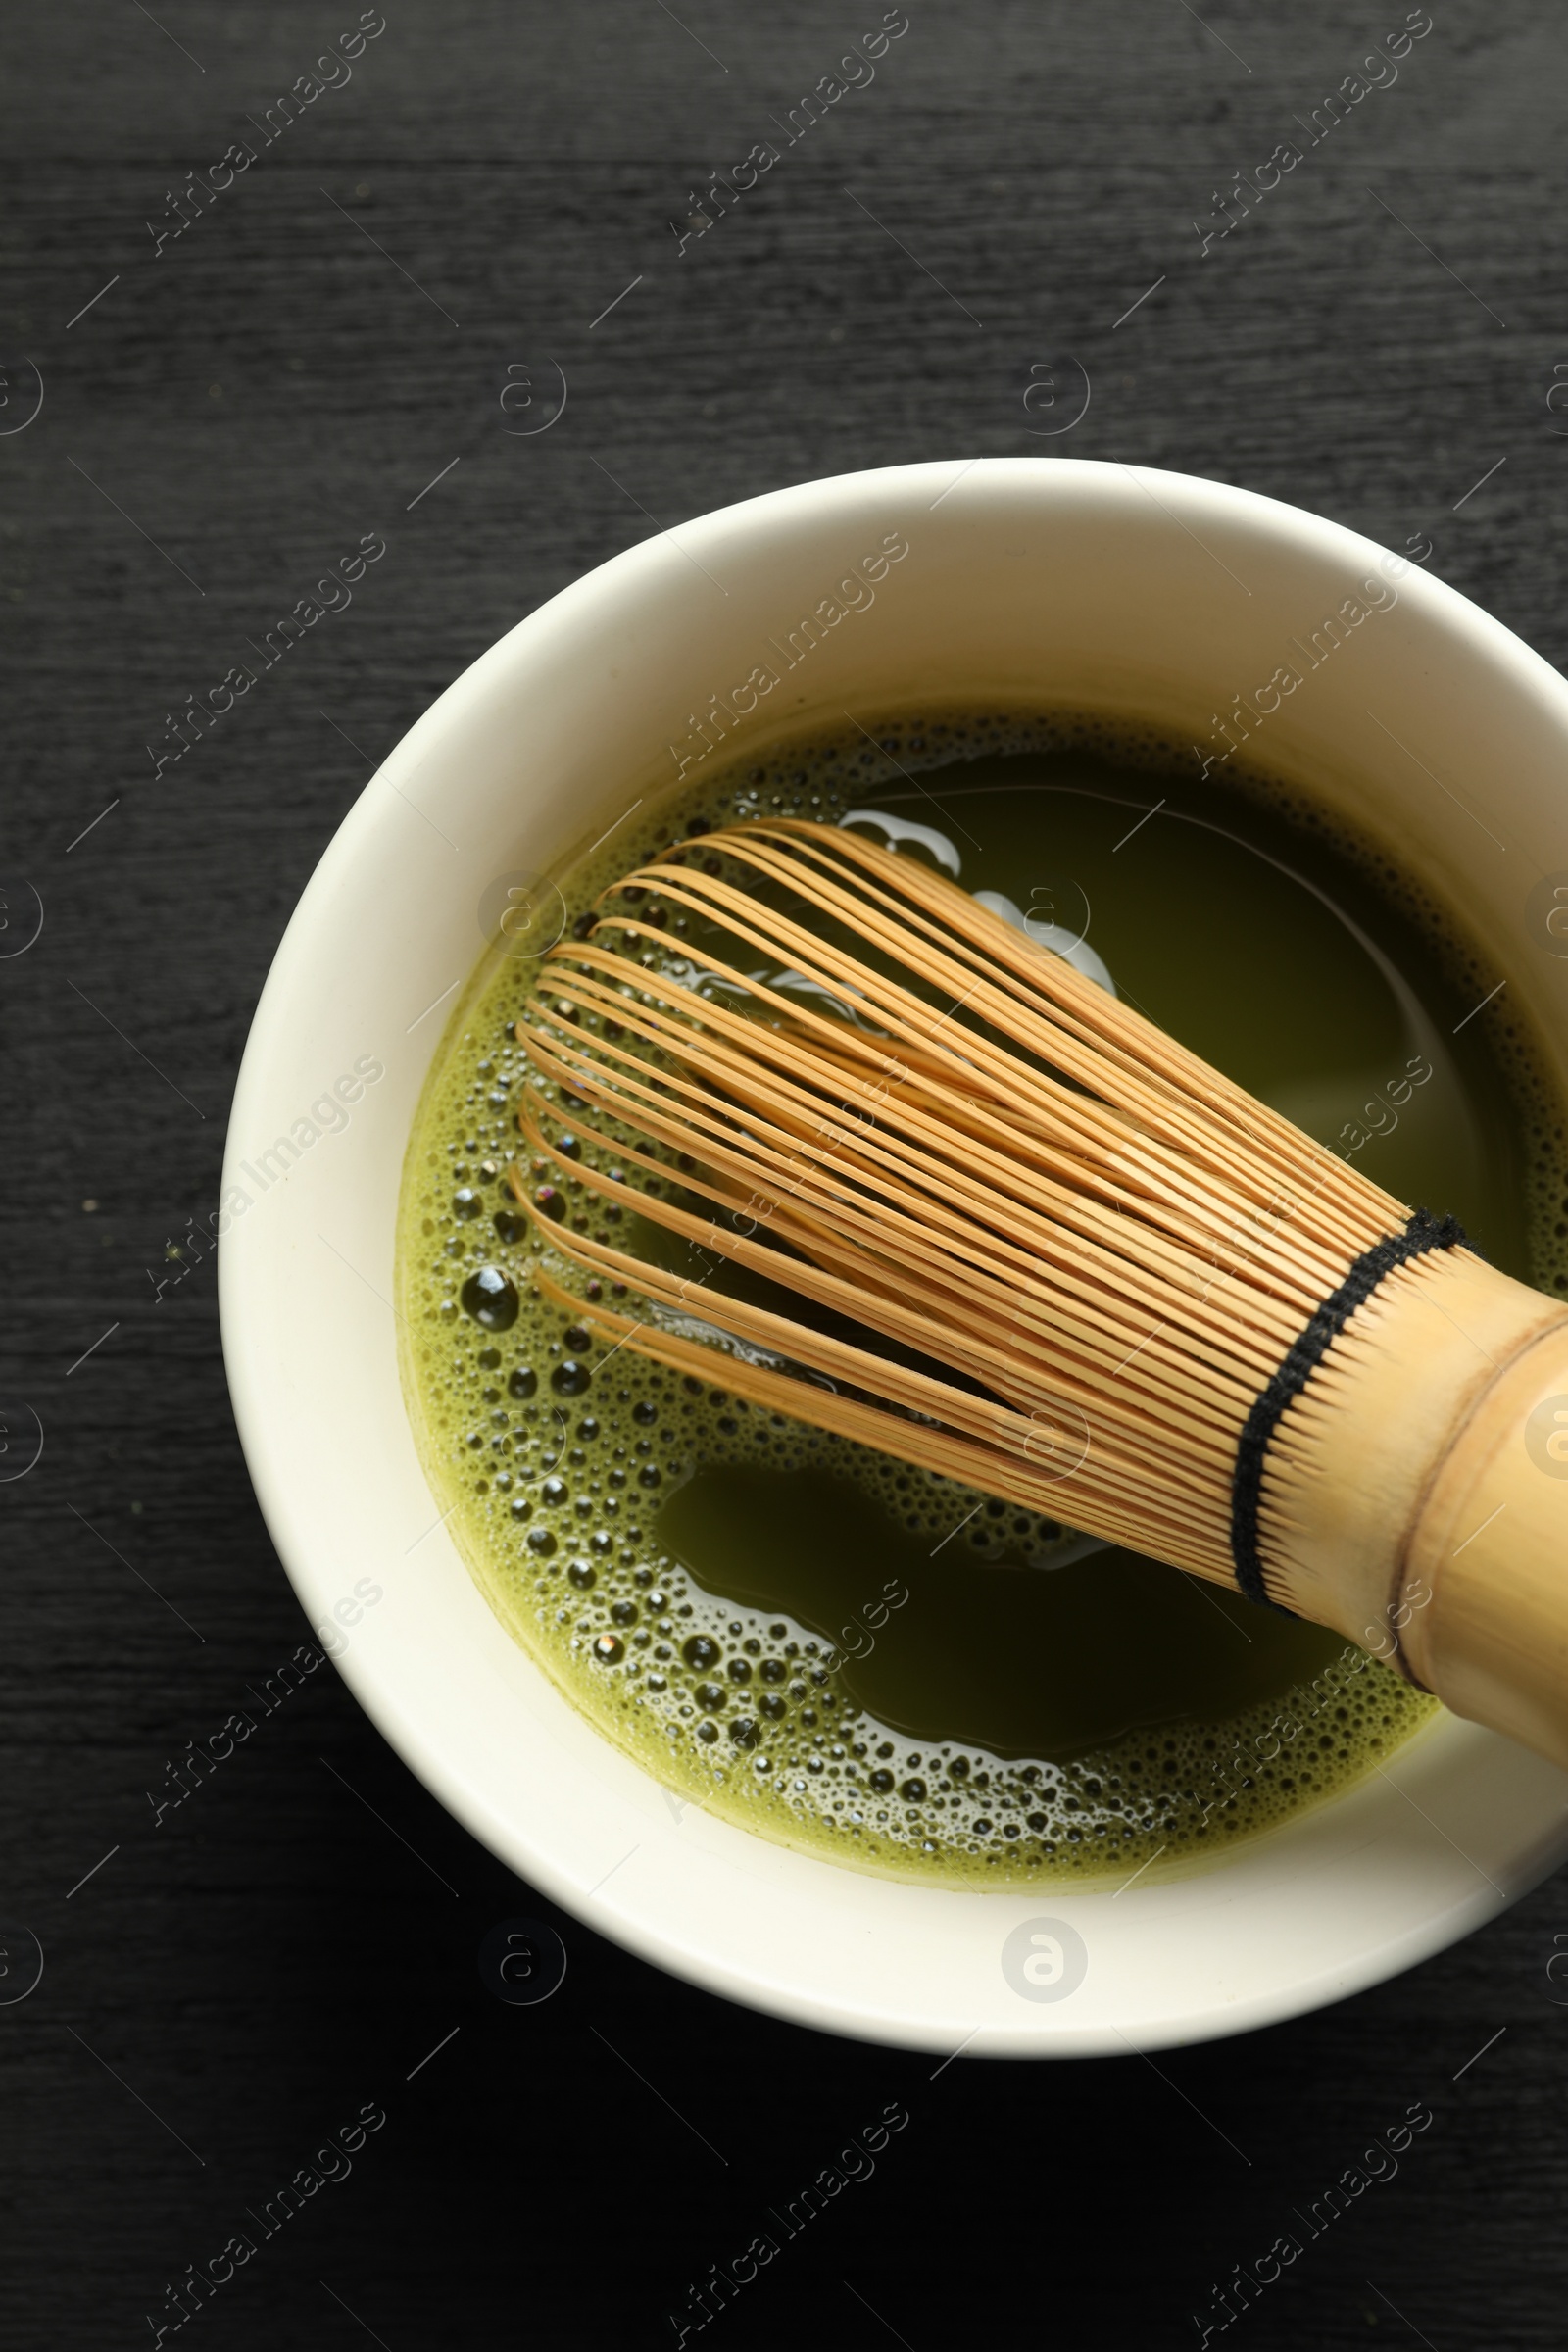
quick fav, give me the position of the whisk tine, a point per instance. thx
(1001, 965)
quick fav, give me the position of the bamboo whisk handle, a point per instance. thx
(1492, 1545)
(1420, 1484)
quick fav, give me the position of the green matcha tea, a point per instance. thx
(826, 1646)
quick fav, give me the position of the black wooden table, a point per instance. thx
(236, 385)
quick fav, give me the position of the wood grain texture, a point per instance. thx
(229, 416)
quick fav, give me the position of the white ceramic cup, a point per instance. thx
(1026, 582)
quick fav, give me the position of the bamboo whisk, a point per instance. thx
(1011, 1232)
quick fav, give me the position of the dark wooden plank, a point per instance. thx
(257, 394)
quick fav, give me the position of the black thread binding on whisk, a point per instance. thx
(1423, 1233)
